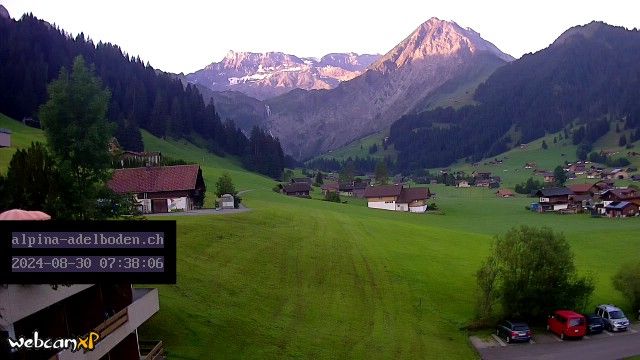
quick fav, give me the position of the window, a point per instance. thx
(616, 314)
(576, 322)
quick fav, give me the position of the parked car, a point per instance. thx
(595, 324)
(614, 319)
(566, 323)
(512, 331)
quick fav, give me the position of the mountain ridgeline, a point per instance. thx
(436, 53)
(587, 77)
(265, 75)
(32, 52)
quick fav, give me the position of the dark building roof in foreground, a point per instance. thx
(296, 187)
(154, 179)
(383, 191)
(558, 191)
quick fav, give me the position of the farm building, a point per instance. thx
(161, 189)
(5, 138)
(549, 177)
(616, 174)
(621, 209)
(505, 193)
(330, 187)
(299, 189)
(462, 184)
(553, 199)
(359, 188)
(397, 198)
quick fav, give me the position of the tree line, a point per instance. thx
(582, 83)
(32, 53)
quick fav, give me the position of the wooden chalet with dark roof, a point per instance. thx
(552, 199)
(397, 198)
(299, 189)
(160, 189)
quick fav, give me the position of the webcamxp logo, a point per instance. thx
(87, 342)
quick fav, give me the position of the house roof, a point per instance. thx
(383, 191)
(619, 205)
(627, 193)
(580, 188)
(360, 185)
(346, 186)
(296, 187)
(558, 191)
(154, 179)
(504, 192)
(331, 186)
(408, 195)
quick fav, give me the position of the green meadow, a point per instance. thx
(304, 278)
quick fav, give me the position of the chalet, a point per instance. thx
(397, 198)
(621, 209)
(553, 199)
(488, 183)
(549, 177)
(616, 174)
(530, 165)
(299, 189)
(160, 189)
(329, 187)
(462, 184)
(601, 186)
(307, 180)
(481, 175)
(358, 189)
(5, 138)
(504, 193)
(346, 188)
(582, 189)
(578, 168)
(620, 194)
(582, 197)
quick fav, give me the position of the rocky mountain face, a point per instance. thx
(4, 13)
(315, 121)
(265, 75)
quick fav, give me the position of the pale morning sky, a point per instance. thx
(183, 36)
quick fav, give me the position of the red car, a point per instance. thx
(566, 323)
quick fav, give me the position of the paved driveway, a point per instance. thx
(202, 212)
(596, 347)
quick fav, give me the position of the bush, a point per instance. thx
(433, 206)
(531, 273)
(332, 196)
(627, 281)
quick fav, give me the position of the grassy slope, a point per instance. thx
(360, 148)
(310, 279)
(21, 137)
(512, 169)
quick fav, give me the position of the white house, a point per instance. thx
(397, 198)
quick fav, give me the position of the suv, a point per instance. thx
(614, 319)
(514, 331)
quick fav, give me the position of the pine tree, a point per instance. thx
(381, 175)
(544, 145)
(622, 141)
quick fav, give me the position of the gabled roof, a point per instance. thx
(330, 186)
(580, 188)
(154, 179)
(408, 195)
(559, 191)
(619, 205)
(622, 194)
(296, 187)
(346, 186)
(383, 191)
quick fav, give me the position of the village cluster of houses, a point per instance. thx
(590, 170)
(599, 198)
(397, 197)
(478, 179)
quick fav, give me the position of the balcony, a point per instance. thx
(145, 303)
(151, 350)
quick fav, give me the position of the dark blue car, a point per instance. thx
(514, 332)
(595, 324)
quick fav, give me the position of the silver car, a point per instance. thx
(614, 319)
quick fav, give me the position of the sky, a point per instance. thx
(186, 35)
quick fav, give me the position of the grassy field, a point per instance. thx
(360, 148)
(303, 278)
(21, 137)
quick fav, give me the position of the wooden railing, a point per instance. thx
(112, 323)
(151, 349)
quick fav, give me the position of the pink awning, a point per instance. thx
(17, 214)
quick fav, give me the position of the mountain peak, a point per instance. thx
(4, 13)
(587, 31)
(437, 37)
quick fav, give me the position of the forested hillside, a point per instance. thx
(586, 78)
(32, 52)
